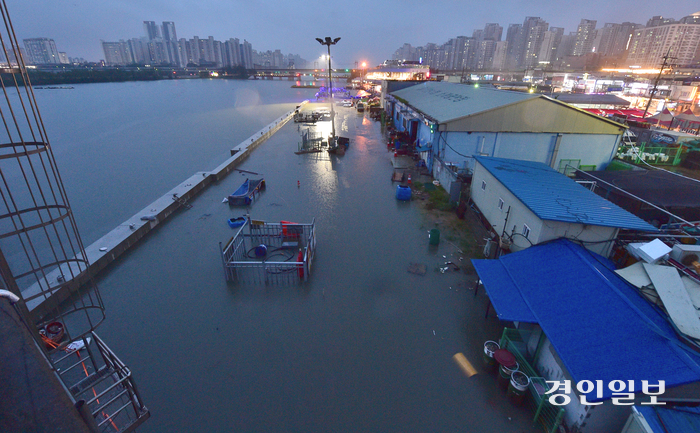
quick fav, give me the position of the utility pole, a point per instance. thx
(656, 82)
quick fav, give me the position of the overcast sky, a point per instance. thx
(370, 30)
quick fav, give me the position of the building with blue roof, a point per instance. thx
(527, 203)
(577, 320)
(664, 419)
(452, 123)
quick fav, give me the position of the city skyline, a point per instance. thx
(79, 26)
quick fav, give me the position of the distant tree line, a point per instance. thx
(238, 72)
(112, 75)
(79, 76)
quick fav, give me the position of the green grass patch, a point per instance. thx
(439, 199)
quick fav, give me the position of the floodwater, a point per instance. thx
(363, 346)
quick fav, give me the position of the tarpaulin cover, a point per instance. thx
(600, 327)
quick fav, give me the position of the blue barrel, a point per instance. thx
(403, 192)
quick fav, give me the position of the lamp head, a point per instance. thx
(320, 41)
(335, 41)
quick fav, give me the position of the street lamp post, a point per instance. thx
(362, 79)
(328, 42)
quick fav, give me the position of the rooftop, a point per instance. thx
(449, 101)
(586, 98)
(552, 196)
(656, 186)
(671, 419)
(601, 328)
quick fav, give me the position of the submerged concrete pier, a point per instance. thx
(60, 283)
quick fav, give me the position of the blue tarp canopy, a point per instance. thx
(600, 327)
(505, 296)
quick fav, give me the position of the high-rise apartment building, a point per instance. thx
(615, 38)
(500, 54)
(681, 40)
(458, 54)
(247, 54)
(566, 47)
(172, 46)
(515, 39)
(534, 29)
(406, 52)
(117, 53)
(41, 51)
(232, 50)
(585, 35)
(152, 30)
(550, 45)
(493, 31)
(139, 51)
(658, 20)
(485, 51)
(169, 33)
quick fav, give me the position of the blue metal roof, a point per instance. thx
(507, 301)
(600, 327)
(552, 196)
(667, 419)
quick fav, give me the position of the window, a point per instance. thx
(483, 185)
(500, 203)
(526, 230)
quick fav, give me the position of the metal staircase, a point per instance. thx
(38, 235)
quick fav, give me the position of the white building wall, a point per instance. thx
(604, 418)
(488, 201)
(586, 233)
(591, 149)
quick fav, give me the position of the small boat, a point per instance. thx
(245, 193)
(236, 222)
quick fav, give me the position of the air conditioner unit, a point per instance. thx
(650, 252)
(681, 251)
